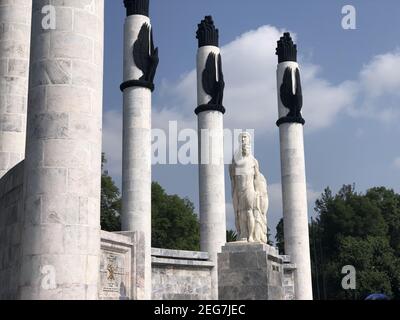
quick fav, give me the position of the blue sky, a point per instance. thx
(351, 82)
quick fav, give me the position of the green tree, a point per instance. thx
(389, 204)
(175, 225)
(375, 263)
(356, 229)
(110, 204)
(280, 241)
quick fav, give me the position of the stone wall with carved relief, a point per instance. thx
(176, 275)
(115, 266)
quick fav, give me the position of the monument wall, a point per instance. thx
(116, 274)
(176, 275)
(11, 212)
(181, 275)
(288, 278)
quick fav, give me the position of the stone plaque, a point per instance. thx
(114, 275)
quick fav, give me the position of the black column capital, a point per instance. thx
(207, 34)
(286, 50)
(140, 7)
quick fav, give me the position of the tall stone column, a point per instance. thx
(210, 112)
(294, 187)
(140, 64)
(15, 37)
(61, 233)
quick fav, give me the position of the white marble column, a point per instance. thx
(136, 173)
(294, 186)
(211, 153)
(61, 233)
(15, 37)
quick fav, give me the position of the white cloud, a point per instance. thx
(380, 76)
(322, 100)
(379, 83)
(250, 95)
(249, 64)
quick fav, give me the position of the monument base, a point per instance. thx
(250, 271)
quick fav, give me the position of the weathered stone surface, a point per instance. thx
(175, 274)
(116, 272)
(179, 254)
(139, 262)
(289, 280)
(248, 271)
(210, 126)
(136, 171)
(63, 154)
(181, 275)
(15, 30)
(294, 193)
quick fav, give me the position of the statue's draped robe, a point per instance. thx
(249, 193)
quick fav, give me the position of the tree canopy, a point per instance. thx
(175, 225)
(354, 229)
(110, 204)
(361, 230)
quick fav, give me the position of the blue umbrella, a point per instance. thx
(377, 296)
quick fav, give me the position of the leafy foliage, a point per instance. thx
(361, 230)
(174, 223)
(279, 238)
(110, 202)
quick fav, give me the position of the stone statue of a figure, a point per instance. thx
(249, 193)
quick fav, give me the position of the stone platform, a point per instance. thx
(250, 271)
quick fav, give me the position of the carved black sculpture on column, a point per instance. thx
(212, 77)
(144, 54)
(213, 87)
(287, 52)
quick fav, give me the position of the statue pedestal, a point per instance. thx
(250, 271)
